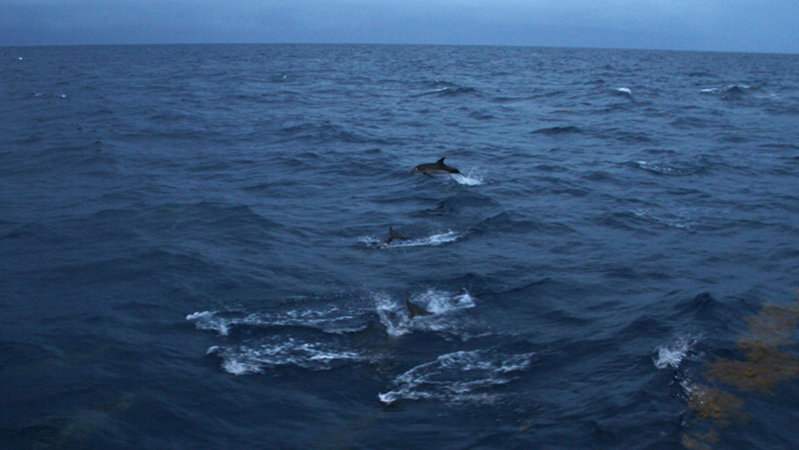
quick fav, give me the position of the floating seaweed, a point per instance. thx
(715, 404)
(697, 441)
(764, 365)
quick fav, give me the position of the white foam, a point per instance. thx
(654, 167)
(625, 90)
(392, 315)
(245, 359)
(672, 355)
(329, 320)
(433, 240)
(457, 377)
(441, 302)
(208, 320)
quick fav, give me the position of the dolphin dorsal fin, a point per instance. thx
(394, 235)
(440, 162)
(416, 310)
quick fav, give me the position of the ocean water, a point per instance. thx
(193, 255)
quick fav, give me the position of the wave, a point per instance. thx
(624, 91)
(448, 91)
(672, 221)
(673, 169)
(557, 131)
(729, 92)
(323, 132)
(462, 376)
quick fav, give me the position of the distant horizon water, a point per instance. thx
(498, 45)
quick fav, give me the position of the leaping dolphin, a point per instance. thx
(435, 168)
(416, 310)
(391, 236)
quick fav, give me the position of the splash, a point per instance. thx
(470, 179)
(395, 318)
(672, 355)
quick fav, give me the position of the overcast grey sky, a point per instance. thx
(723, 25)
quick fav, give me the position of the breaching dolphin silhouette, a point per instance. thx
(435, 168)
(391, 236)
(416, 310)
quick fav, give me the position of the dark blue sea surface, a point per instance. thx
(193, 255)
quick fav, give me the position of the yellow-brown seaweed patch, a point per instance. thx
(697, 441)
(763, 367)
(764, 364)
(715, 404)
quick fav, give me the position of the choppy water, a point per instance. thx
(192, 247)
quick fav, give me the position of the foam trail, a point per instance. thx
(432, 240)
(247, 359)
(461, 376)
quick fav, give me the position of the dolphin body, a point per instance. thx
(435, 168)
(391, 236)
(416, 310)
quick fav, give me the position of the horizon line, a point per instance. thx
(415, 44)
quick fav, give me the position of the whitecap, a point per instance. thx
(433, 240)
(625, 90)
